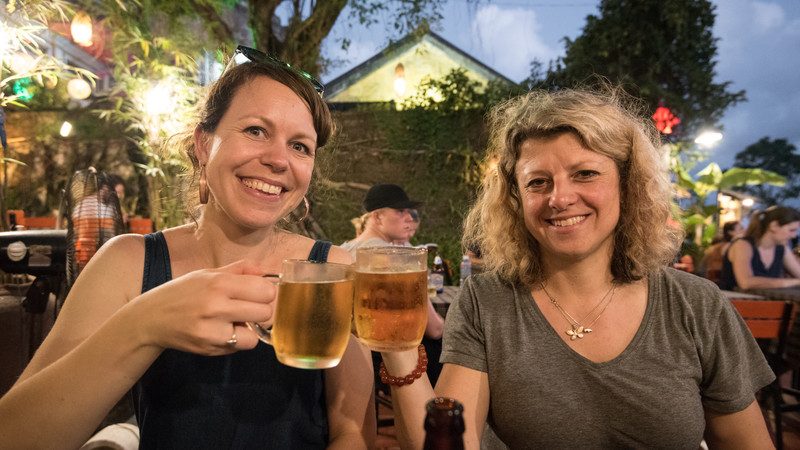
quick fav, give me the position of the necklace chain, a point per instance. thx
(577, 330)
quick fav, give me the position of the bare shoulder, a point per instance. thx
(118, 265)
(740, 246)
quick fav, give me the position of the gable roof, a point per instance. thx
(402, 48)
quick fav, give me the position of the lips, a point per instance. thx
(261, 186)
(567, 222)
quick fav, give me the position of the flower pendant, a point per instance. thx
(578, 332)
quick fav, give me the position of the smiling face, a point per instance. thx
(260, 158)
(570, 197)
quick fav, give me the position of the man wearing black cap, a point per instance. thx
(388, 217)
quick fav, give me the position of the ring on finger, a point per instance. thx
(232, 340)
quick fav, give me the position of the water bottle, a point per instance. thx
(466, 269)
(437, 274)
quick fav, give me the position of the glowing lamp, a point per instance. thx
(21, 62)
(158, 100)
(78, 88)
(399, 80)
(81, 29)
(66, 128)
(708, 138)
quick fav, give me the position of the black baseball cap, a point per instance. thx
(388, 196)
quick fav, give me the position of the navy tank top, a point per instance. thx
(243, 400)
(727, 280)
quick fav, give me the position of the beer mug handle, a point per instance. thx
(265, 334)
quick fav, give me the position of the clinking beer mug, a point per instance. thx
(311, 325)
(390, 305)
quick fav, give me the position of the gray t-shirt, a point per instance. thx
(351, 246)
(692, 351)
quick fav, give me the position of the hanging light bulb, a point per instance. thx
(81, 29)
(66, 128)
(400, 80)
(78, 88)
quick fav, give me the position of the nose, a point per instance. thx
(562, 196)
(276, 156)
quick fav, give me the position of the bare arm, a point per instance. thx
(742, 430)
(435, 327)
(107, 336)
(740, 254)
(470, 387)
(349, 390)
(790, 262)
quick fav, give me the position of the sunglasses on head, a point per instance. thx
(246, 54)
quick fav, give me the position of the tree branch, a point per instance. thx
(213, 21)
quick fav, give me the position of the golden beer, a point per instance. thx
(390, 309)
(312, 323)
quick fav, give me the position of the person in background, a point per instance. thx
(578, 334)
(360, 223)
(414, 225)
(388, 219)
(165, 313)
(762, 257)
(715, 253)
(119, 189)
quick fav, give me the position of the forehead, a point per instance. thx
(263, 95)
(565, 150)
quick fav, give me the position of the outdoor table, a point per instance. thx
(442, 301)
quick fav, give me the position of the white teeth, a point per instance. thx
(261, 186)
(568, 222)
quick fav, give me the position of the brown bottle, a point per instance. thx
(444, 424)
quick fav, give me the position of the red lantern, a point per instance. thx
(665, 120)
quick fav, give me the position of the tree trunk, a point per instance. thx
(301, 43)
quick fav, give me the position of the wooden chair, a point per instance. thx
(770, 322)
(38, 223)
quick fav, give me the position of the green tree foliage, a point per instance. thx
(697, 216)
(309, 22)
(154, 59)
(656, 49)
(24, 61)
(456, 91)
(778, 156)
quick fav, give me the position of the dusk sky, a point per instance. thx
(758, 51)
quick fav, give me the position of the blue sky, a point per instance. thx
(758, 51)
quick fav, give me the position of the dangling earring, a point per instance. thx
(203, 185)
(308, 208)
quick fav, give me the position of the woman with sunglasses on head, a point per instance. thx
(164, 314)
(577, 334)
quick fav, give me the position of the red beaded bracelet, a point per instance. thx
(422, 367)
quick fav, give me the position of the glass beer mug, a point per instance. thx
(390, 304)
(311, 324)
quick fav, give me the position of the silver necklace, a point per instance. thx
(577, 330)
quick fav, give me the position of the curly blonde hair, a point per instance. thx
(605, 121)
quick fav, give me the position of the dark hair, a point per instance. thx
(760, 220)
(727, 229)
(218, 101)
(221, 93)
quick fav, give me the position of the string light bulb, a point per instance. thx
(81, 29)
